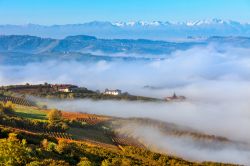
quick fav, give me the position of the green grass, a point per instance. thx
(30, 113)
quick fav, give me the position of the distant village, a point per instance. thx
(69, 88)
(73, 88)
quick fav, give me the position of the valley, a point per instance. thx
(42, 126)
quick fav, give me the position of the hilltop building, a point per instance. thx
(175, 98)
(65, 87)
(112, 92)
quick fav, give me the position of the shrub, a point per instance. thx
(14, 151)
(84, 162)
(54, 116)
(1, 108)
(49, 162)
(7, 108)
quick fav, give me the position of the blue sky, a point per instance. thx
(78, 11)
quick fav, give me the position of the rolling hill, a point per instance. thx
(24, 49)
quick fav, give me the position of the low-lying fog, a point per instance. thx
(227, 119)
(215, 81)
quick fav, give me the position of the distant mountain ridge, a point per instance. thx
(20, 49)
(154, 30)
(91, 44)
(188, 23)
(87, 44)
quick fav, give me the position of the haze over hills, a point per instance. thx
(24, 49)
(155, 30)
(211, 72)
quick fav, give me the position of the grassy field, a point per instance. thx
(30, 113)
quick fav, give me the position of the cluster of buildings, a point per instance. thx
(42, 88)
(72, 88)
(65, 87)
(69, 88)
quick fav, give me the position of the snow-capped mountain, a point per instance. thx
(140, 23)
(212, 22)
(156, 30)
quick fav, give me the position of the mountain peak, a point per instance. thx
(214, 21)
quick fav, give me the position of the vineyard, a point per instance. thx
(172, 129)
(34, 120)
(126, 141)
(16, 100)
(61, 135)
(37, 127)
(97, 143)
(199, 136)
(52, 134)
(90, 119)
(30, 89)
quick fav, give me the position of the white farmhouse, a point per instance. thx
(65, 88)
(112, 92)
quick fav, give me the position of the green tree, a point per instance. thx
(54, 116)
(9, 105)
(1, 108)
(14, 152)
(49, 162)
(66, 148)
(116, 161)
(7, 108)
(84, 162)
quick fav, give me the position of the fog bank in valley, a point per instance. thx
(209, 67)
(227, 119)
(214, 80)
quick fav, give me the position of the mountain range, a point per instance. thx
(154, 30)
